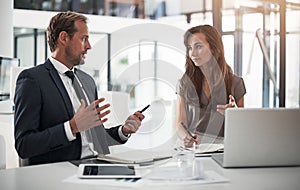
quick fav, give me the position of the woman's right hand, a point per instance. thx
(188, 141)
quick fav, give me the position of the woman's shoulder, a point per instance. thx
(238, 84)
(185, 79)
(185, 82)
(237, 79)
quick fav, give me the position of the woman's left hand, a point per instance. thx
(231, 104)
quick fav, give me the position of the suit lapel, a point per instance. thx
(57, 80)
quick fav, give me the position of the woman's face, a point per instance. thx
(198, 49)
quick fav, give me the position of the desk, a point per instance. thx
(50, 177)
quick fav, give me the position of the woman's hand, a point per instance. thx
(188, 141)
(231, 104)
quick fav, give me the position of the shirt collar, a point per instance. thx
(60, 67)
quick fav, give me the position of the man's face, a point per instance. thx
(77, 47)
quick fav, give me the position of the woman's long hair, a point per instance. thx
(214, 40)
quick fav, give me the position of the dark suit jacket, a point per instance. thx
(42, 105)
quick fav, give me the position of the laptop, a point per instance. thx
(261, 137)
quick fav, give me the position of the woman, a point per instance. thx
(207, 88)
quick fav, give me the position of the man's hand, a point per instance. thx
(90, 116)
(132, 123)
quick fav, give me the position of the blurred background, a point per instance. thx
(138, 56)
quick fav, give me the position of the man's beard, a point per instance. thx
(76, 60)
(81, 62)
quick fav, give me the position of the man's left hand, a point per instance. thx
(132, 123)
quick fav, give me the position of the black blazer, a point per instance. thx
(42, 105)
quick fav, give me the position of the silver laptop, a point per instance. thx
(261, 137)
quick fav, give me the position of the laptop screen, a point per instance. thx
(261, 137)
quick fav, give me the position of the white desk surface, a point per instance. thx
(50, 177)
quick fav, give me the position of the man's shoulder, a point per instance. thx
(82, 73)
(35, 70)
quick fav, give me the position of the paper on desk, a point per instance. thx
(209, 177)
(104, 182)
(208, 148)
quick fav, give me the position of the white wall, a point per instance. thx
(6, 23)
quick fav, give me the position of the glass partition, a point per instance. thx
(293, 57)
(147, 69)
(241, 26)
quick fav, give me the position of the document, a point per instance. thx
(209, 177)
(135, 157)
(207, 148)
(121, 183)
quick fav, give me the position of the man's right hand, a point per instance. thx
(89, 116)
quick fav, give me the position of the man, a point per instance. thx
(52, 122)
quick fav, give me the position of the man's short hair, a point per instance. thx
(64, 21)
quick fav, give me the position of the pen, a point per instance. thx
(145, 108)
(186, 129)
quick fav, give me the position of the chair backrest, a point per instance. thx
(2, 153)
(23, 162)
(14, 73)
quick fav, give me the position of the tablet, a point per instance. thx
(105, 171)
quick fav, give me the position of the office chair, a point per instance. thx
(119, 106)
(23, 162)
(2, 153)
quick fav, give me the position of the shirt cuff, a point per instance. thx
(121, 135)
(68, 131)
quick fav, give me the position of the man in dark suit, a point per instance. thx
(52, 123)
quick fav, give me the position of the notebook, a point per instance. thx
(261, 137)
(135, 157)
